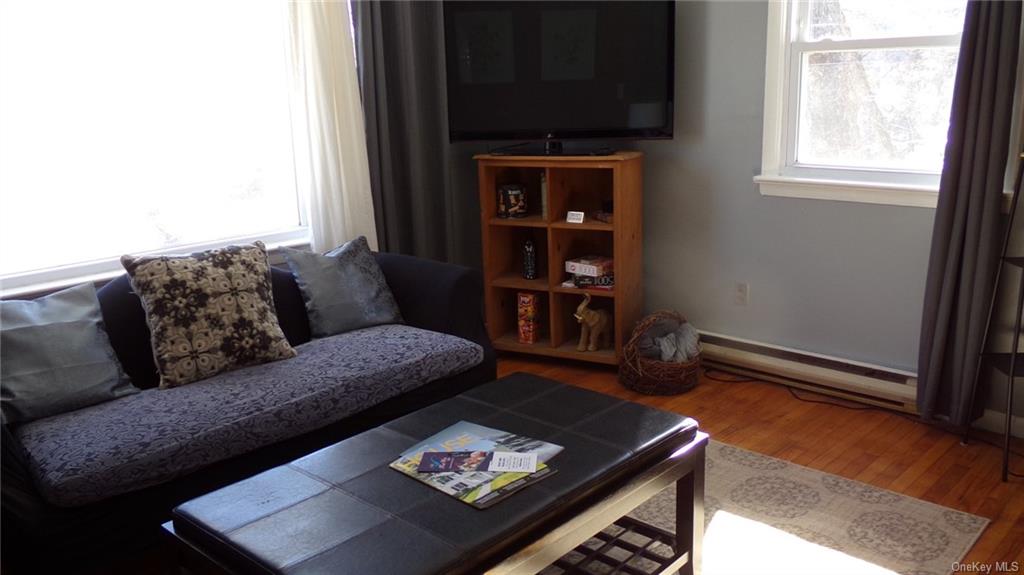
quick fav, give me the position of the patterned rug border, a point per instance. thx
(897, 532)
(962, 552)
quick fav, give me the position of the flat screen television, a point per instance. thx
(559, 70)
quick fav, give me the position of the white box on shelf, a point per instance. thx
(593, 266)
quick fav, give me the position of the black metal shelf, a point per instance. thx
(1001, 361)
(1014, 261)
(1011, 363)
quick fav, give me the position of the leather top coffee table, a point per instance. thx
(343, 510)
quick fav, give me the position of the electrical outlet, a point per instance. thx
(741, 293)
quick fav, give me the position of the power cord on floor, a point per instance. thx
(733, 379)
(843, 405)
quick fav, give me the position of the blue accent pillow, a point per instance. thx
(344, 289)
(55, 356)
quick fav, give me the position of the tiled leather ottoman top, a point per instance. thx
(343, 510)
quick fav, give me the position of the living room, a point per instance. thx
(382, 202)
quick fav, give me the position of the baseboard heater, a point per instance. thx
(855, 381)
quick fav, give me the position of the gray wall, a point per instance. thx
(837, 278)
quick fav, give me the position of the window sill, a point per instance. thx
(845, 191)
(35, 284)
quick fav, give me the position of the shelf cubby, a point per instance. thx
(507, 260)
(594, 292)
(592, 225)
(528, 177)
(533, 221)
(517, 281)
(502, 309)
(580, 190)
(565, 328)
(567, 244)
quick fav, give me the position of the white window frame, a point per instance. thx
(780, 174)
(52, 279)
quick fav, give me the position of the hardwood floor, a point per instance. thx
(881, 448)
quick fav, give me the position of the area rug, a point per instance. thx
(774, 516)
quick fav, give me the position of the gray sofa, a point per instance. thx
(154, 436)
(99, 480)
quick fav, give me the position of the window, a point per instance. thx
(857, 98)
(131, 127)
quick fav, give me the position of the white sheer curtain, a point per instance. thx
(330, 139)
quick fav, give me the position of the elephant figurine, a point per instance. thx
(594, 324)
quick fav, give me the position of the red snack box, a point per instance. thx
(528, 311)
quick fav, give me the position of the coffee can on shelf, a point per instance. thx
(511, 201)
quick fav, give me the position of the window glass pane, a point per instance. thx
(847, 19)
(885, 109)
(134, 126)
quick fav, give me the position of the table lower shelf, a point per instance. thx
(628, 546)
(567, 350)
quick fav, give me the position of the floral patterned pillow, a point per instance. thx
(208, 312)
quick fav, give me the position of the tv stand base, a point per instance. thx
(551, 148)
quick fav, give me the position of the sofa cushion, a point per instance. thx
(208, 312)
(55, 356)
(125, 321)
(156, 435)
(343, 290)
(291, 309)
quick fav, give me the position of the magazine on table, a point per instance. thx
(470, 448)
(462, 461)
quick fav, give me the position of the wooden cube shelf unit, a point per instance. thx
(574, 183)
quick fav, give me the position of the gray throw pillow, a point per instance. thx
(55, 356)
(344, 289)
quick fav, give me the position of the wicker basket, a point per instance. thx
(652, 376)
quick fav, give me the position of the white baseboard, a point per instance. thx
(853, 380)
(756, 360)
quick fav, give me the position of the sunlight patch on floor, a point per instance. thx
(735, 545)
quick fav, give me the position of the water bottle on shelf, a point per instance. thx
(529, 260)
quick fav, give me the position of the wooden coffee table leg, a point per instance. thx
(690, 515)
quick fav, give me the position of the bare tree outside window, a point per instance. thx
(875, 83)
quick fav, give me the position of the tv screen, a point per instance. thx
(559, 70)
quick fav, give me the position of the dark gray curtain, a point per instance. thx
(968, 221)
(400, 52)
